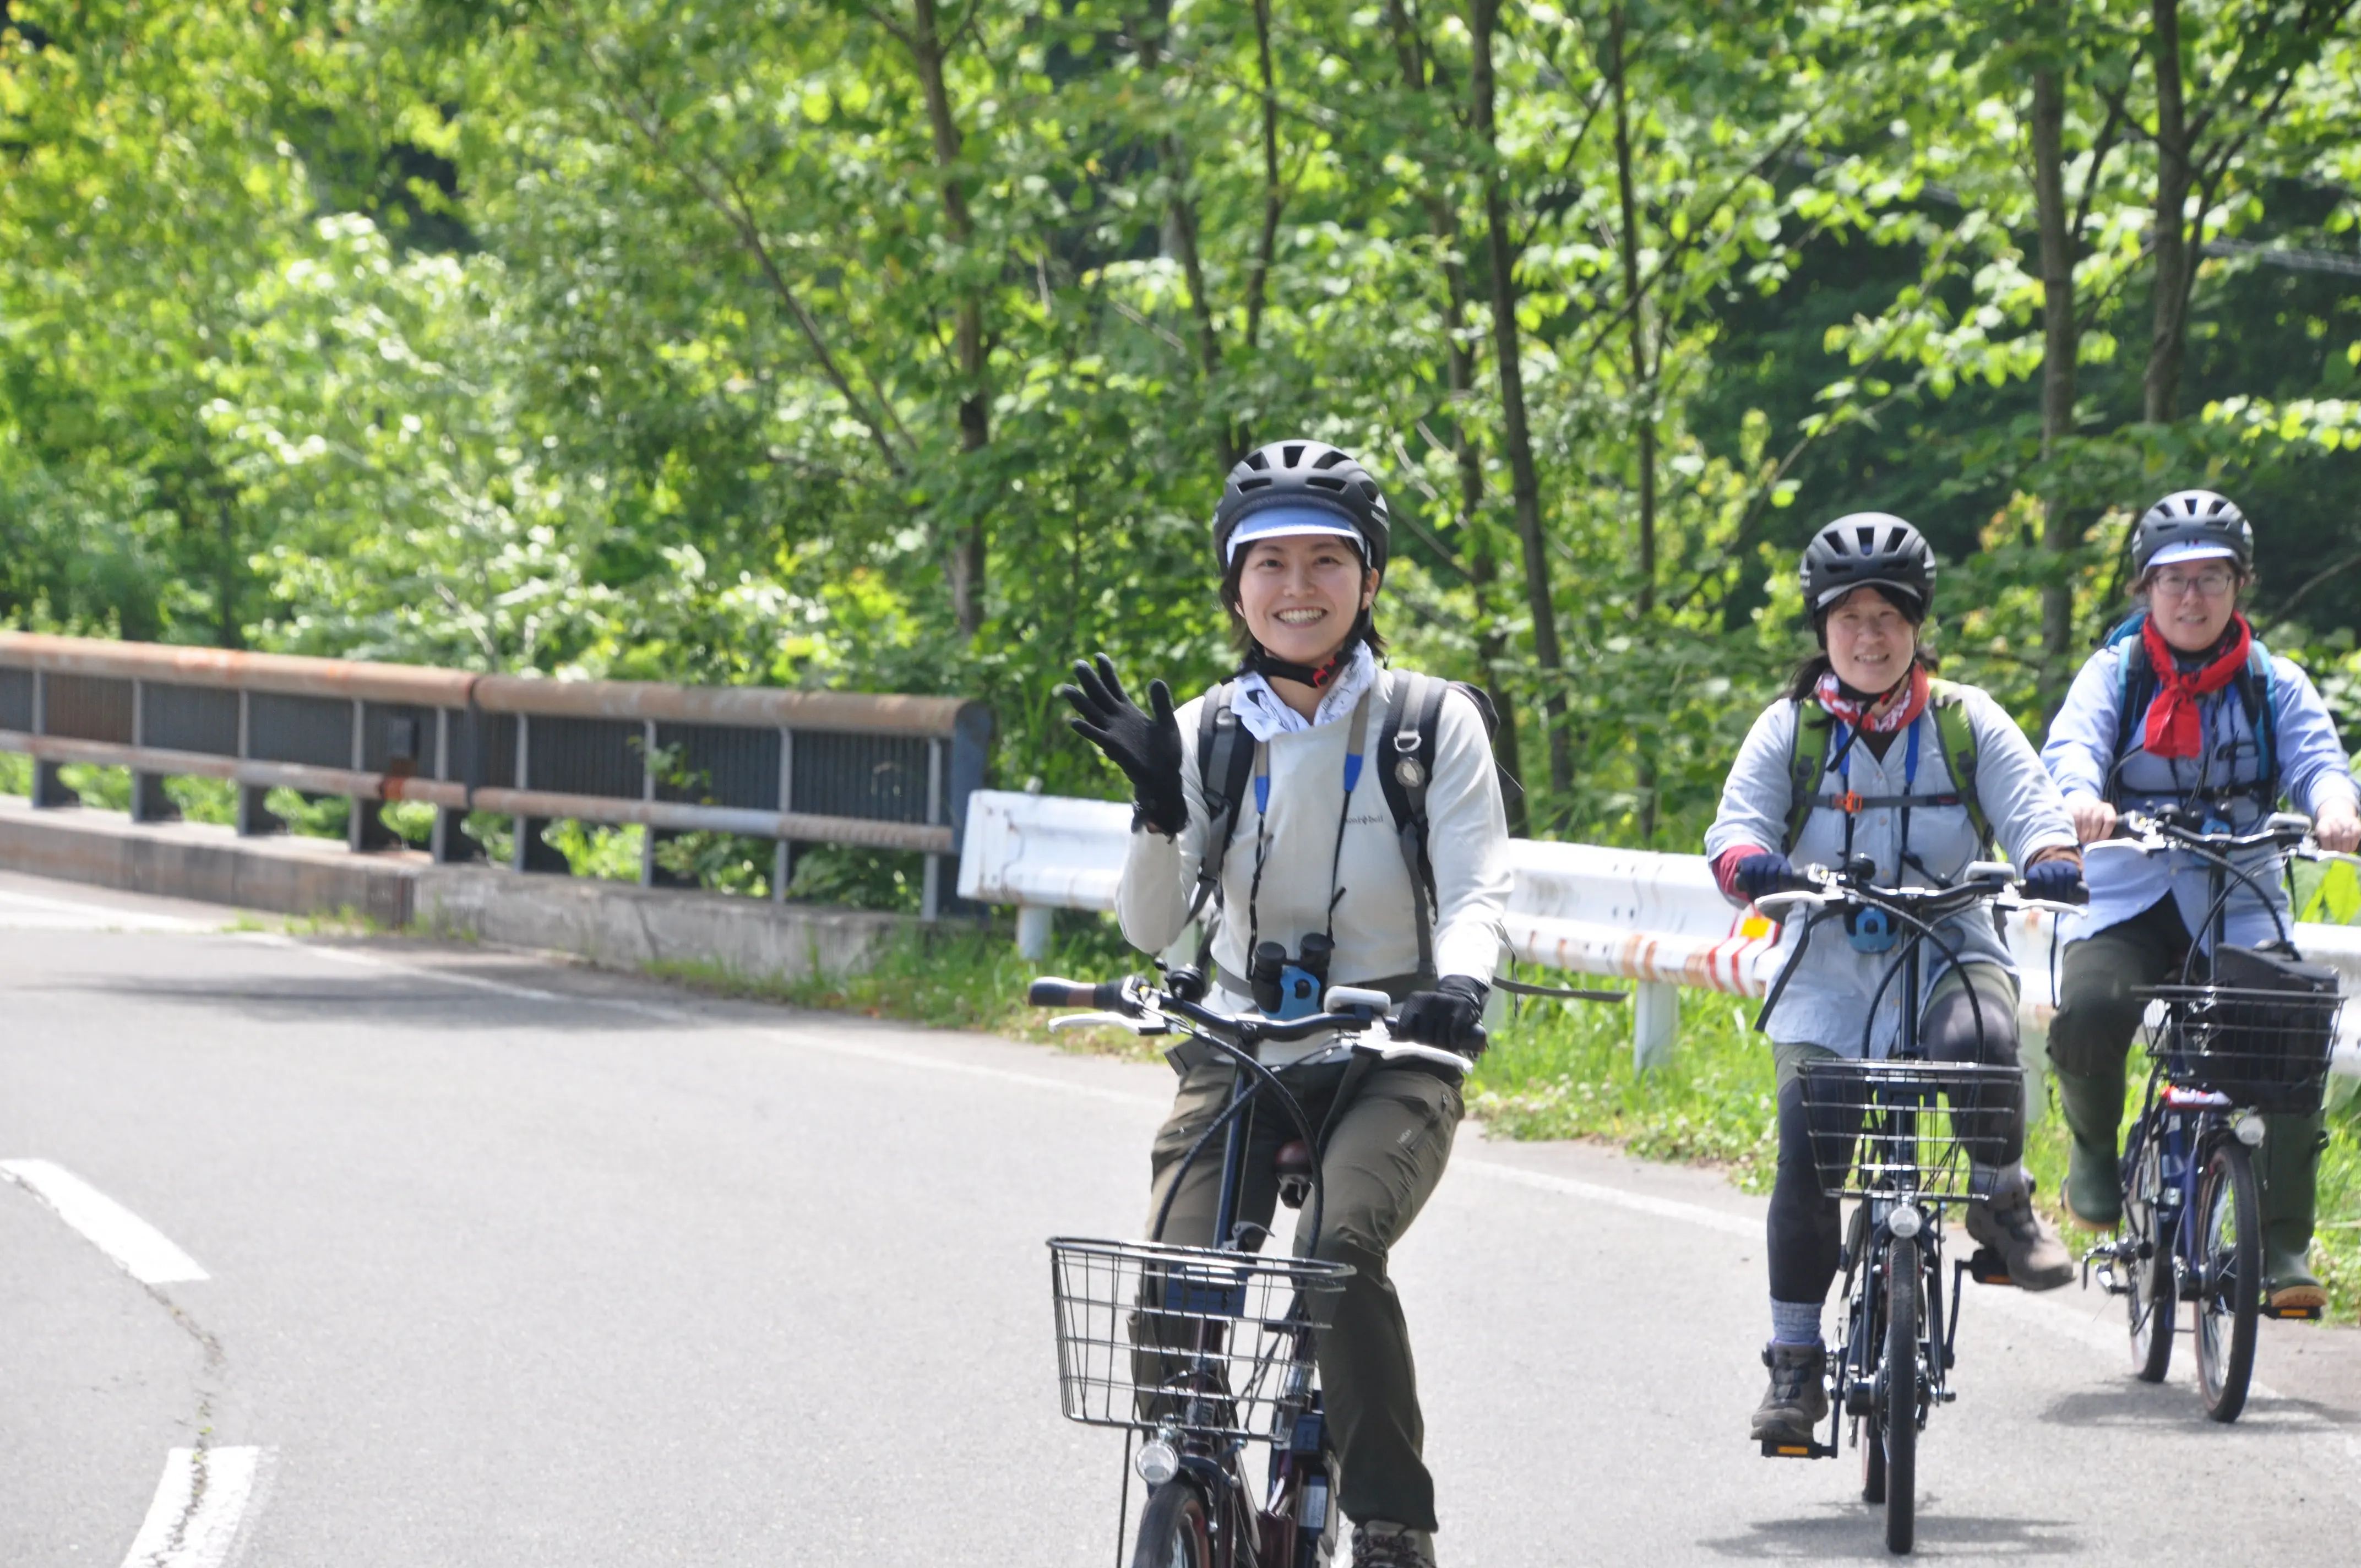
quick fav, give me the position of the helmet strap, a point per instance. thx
(1261, 661)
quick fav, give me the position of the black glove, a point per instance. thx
(2056, 881)
(1147, 748)
(1758, 874)
(1450, 1016)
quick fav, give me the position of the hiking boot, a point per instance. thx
(1797, 1399)
(2006, 1224)
(1380, 1544)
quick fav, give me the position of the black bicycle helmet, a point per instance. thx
(2193, 516)
(1300, 474)
(1869, 548)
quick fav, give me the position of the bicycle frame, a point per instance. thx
(1892, 1126)
(1289, 1520)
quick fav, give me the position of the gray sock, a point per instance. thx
(1795, 1322)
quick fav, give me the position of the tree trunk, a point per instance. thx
(967, 557)
(2160, 387)
(1524, 479)
(1643, 392)
(2061, 335)
(1459, 372)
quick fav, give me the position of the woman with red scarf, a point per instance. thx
(1873, 733)
(2185, 709)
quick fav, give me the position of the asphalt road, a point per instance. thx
(508, 1262)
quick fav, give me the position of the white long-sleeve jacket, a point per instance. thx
(1376, 922)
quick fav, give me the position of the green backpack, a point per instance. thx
(1809, 764)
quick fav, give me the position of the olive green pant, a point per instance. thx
(2099, 1011)
(1385, 1150)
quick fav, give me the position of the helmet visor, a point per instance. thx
(1901, 596)
(1291, 522)
(2191, 550)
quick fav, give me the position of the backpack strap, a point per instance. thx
(1226, 754)
(1406, 750)
(2258, 689)
(1807, 763)
(1958, 738)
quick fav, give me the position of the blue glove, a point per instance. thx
(1758, 874)
(2056, 881)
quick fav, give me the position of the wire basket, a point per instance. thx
(1185, 1339)
(1909, 1128)
(2265, 1050)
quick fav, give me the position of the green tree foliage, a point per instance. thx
(903, 345)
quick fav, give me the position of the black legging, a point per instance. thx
(1805, 1225)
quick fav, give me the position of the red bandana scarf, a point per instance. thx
(1887, 714)
(2172, 723)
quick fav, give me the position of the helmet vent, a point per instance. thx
(1326, 482)
(1258, 484)
(1291, 454)
(1868, 537)
(1328, 459)
(1257, 460)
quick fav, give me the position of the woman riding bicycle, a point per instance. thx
(1310, 876)
(2184, 708)
(1866, 756)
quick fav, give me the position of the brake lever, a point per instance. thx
(1141, 1026)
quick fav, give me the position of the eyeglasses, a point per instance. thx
(2175, 584)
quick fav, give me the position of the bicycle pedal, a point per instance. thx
(2293, 1314)
(1988, 1267)
(1773, 1449)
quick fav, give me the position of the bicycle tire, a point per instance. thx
(1898, 1421)
(2230, 1288)
(2152, 1295)
(1174, 1531)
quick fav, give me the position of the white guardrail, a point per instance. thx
(1654, 919)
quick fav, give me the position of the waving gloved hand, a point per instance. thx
(1759, 874)
(2057, 881)
(1146, 748)
(1451, 1016)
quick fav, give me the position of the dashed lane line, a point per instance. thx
(142, 1250)
(198, 1504)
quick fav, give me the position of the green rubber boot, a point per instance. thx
(2287, 1163)
(2094, 1105)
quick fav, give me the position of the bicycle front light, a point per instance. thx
(2249, 1128)
(1904, 1221)
(1158, 1462)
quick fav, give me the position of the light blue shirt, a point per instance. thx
(2085, 753)
(1828, 1001)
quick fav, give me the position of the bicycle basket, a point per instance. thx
(2265, 1047)
(1184, 1339)
(1889, 1128)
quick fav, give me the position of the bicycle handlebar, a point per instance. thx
(1359, 1014)
(2161, 832)
(1051, 992)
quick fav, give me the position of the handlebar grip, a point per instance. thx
(1051, 992)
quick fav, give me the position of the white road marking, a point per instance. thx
(858, 1051)
(115, 1230)
(193, 1520)
(31, 912)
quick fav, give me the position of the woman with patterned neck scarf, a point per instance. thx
(1307, 859)
(1881, 786)
(2185, 709)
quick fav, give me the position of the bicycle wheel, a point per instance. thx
(1173, 1528)
(1898, 1421)
(2151, 1297)
(2230, 1288)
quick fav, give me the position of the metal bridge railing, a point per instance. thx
(891, 772)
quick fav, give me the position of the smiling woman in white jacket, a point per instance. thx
(1313, 864)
